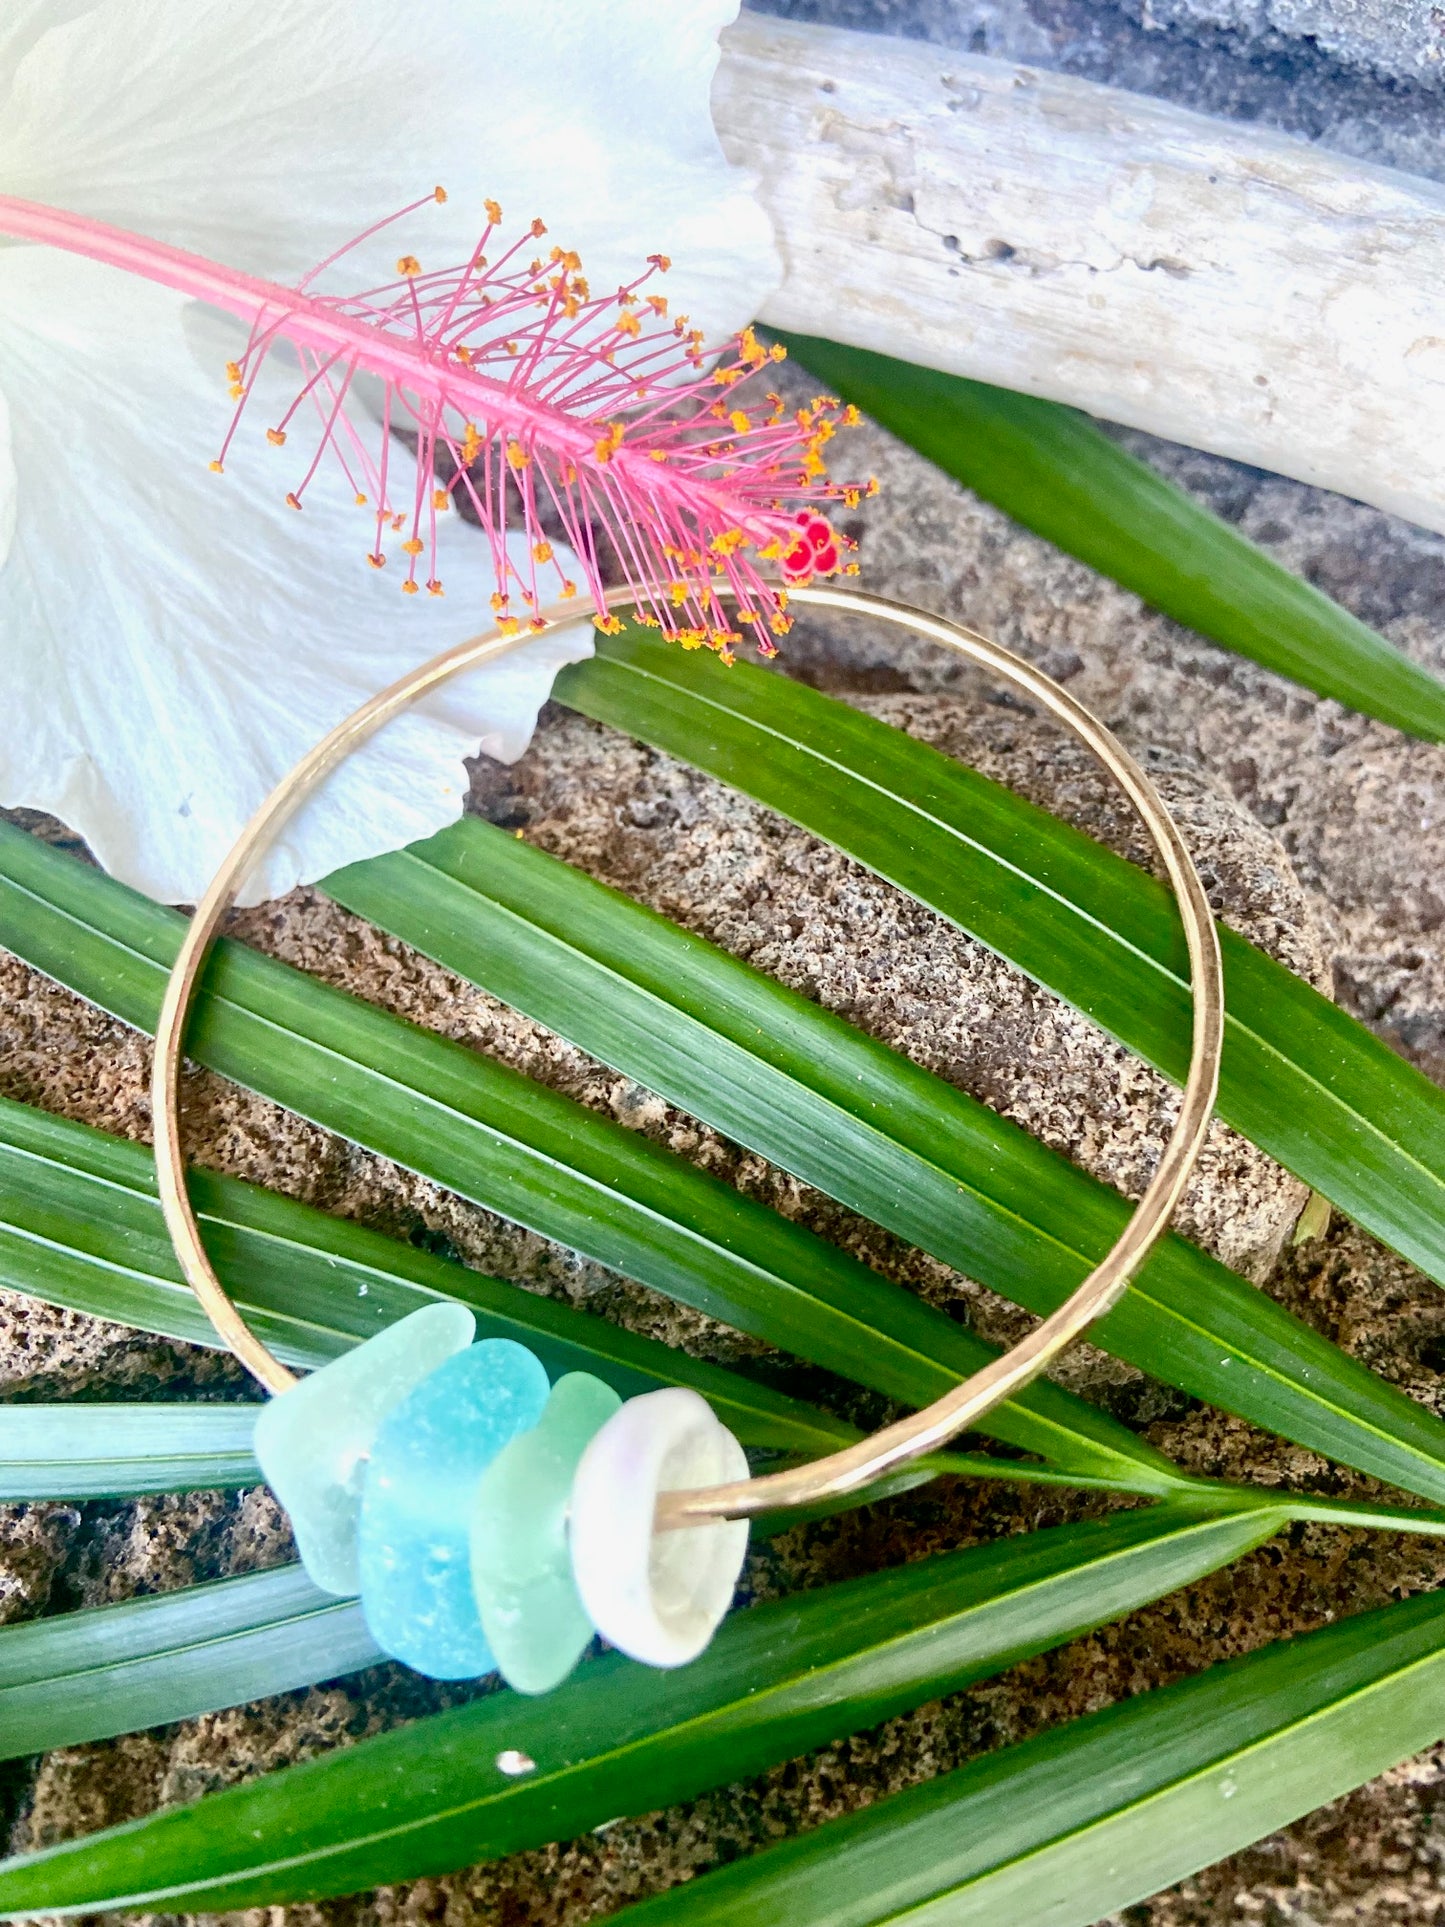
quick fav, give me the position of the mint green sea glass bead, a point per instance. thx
(534, 1620)
(313, 1441)
(416, 1508)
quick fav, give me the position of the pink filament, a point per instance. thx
(596, 412)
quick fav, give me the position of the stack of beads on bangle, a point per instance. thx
(491, 1522)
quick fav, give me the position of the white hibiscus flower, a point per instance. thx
(169, 644)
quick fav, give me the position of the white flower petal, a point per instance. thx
(8, 490)
(23, 23)
(171, 641)
(266, 133)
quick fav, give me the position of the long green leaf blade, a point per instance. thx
(777, 1680)
(538, 1158)
(1053, 470)
(89, 1675)
(1300, 1078)
(81, 1226)
(1093, 1816)
(78, 1451)
(865, 1125)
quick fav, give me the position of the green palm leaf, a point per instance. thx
(88, 1675)
(81, 1226)
(620, 1738)
(538, 1158)
(1095, 1815)
(806, 1089)
(1053, 470)
(1300, 1078)
(76, 1451)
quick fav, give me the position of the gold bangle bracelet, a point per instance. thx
(921, 1432)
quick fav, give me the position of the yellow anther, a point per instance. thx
(236, 391)
(413, 546)
(657, 454)
(777, 352)
(361, 501)
(410, 586)
(607, 445)
(660, 261)
(434, 587)
(218, 468)
(539, 228)
(398, 523)
(233, 371)
(740, 422)
(517, 456)
(409, 266)
(657, 303)
(629, 325)
(725, 377)
(567, 591)
(580, 287)
(471, 445)
(440, 499)
(509, 626)
(541, 551)
(293, 501)
(780, 625)
(510, 346)
(610, 625)
(439, 195)
(499, 604)
(850, 568)
(494, 212)
(852, 497)
(851, 417)
(276, 437)
(377, 559)
(464, 356)
(537, 625)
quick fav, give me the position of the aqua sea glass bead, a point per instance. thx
(313, 1441)
(533, 1618)
(416, 1505)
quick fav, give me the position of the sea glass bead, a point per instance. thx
(535, 1623)
(313, 1441)
(658, 1596)
(416, 1505)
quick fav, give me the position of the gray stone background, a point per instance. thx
(1320, 834)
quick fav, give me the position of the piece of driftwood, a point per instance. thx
(1215, 283)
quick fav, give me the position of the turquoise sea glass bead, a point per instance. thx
(534, 1620)
(416, 1505)
(313, 1441)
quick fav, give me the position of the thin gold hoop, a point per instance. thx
(921, 1432)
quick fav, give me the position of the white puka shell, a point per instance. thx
(658, 1597)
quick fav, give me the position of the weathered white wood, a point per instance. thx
(1215, 283)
